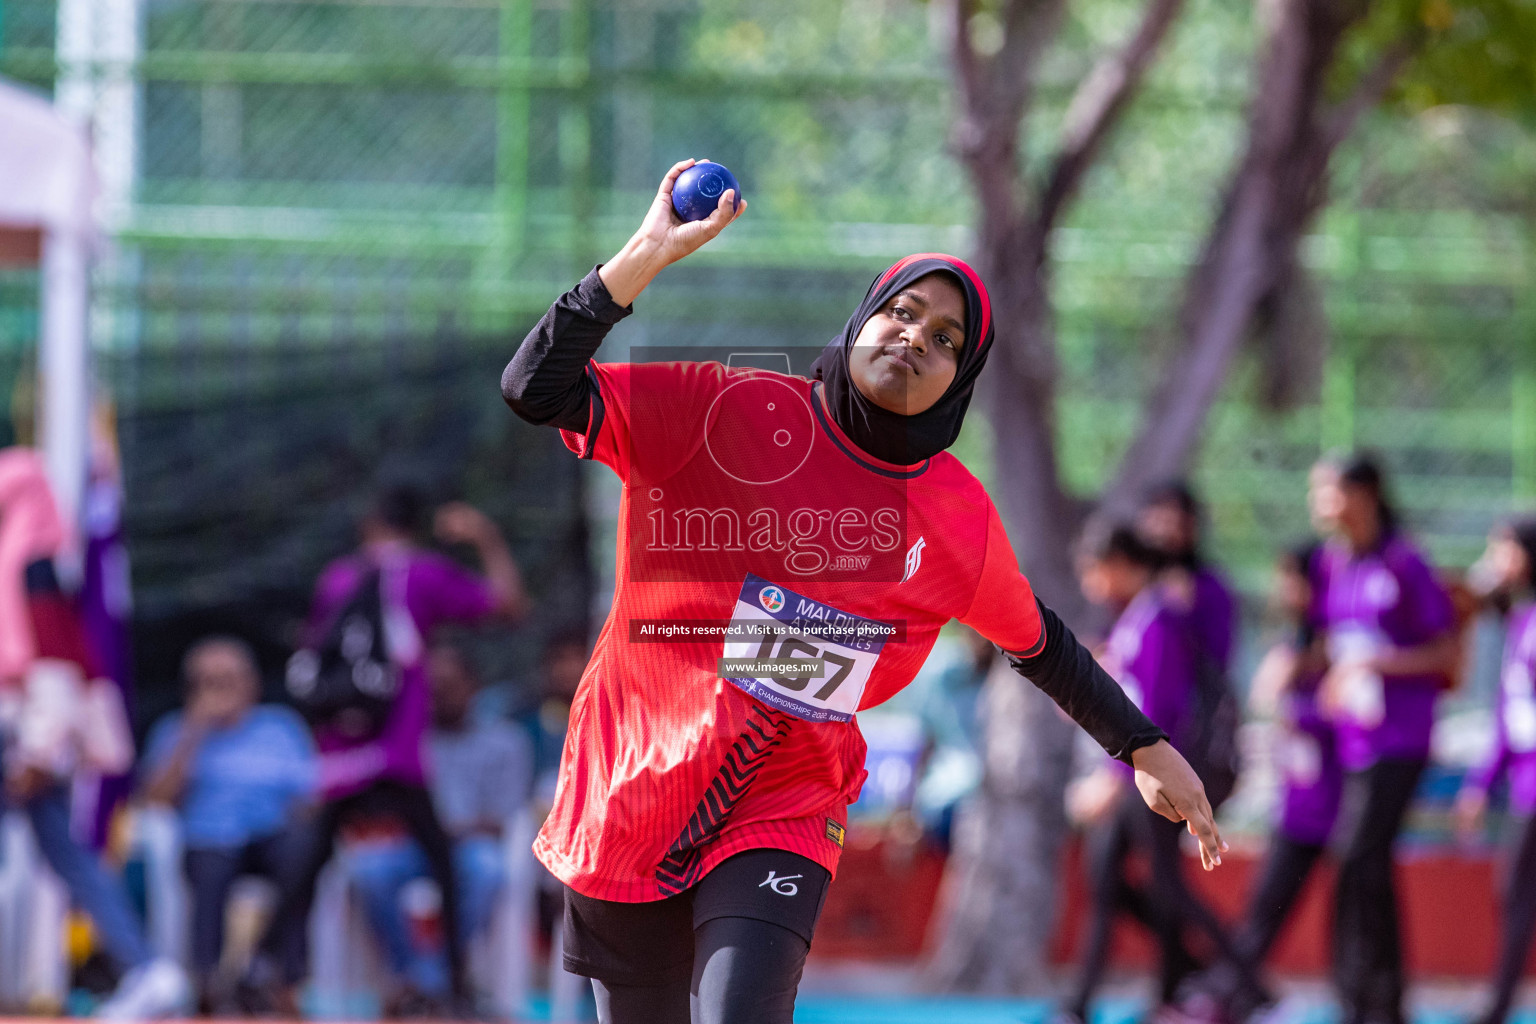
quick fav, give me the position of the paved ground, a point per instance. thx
(845, 993)
(884, 994)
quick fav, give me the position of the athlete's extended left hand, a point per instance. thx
(1171, 788)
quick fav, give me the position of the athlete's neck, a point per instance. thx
(845, 439)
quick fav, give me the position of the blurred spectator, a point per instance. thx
(236, 772)
(1285, 685)
(1391, 650)
(482, 777)
(561, 665)
(1154, 655)
(1505, 576)
(383, 775)
(60, 716)
(943, 697)
(1171, 521)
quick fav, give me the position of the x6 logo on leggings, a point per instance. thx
(783, 886)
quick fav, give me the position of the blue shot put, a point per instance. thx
(697, 191)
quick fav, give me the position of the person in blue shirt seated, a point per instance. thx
(237, 772)
(481, 776)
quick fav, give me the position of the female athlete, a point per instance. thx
(1507, 576)
(769, 519)
(1389, 630)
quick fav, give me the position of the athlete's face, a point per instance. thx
(1504, 567)
(1167, 527)
(1293, 589)
(453, 687)
(906, 355)
(1341, 508)
(1111, 581)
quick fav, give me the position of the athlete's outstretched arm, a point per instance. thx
(546, 381)
(1067, 673)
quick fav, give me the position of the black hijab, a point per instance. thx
(889, 436)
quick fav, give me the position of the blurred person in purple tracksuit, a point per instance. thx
(1284, 685)
(1154, 653)
(1171, 520)
(1388, 625)
(1505, 575)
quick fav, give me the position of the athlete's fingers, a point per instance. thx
(718, 218)
(1202, 825)
(665, 191)
(725, 209)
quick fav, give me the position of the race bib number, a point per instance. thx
(1520, 723)
(774, 629)
(1301, 758)
(1365, 696)
(1519, 708)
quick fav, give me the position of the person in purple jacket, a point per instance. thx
(1170, 520)
(1154, 654)
(1284, 684)
(385, 775)
(1507, 573)
(1388, 629)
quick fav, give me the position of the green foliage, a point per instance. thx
(1475, 52)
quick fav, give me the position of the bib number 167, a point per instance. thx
(796, 645)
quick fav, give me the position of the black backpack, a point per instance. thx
(348, 681)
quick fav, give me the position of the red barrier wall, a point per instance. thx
(881, 905)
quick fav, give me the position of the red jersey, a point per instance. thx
(750, 527)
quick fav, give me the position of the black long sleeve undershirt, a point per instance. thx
(1065, 671)
(546, 381)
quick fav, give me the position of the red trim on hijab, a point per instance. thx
(960, 265)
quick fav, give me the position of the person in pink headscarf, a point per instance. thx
(58, 715)
(30, 530)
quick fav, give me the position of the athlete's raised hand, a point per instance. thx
(672, 235)
(1171, 788)
(663, 238)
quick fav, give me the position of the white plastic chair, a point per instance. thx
(346, 969)
(33, 904)
(346, 974)
(168, 905)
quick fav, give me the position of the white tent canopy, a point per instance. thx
(47, 186)
(45, 166)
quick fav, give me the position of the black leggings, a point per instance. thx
(744, 972)
(412, 807)
(1165, 907)
(1367, 945)
(727, 950)
(1287, 866)
(1519, 923)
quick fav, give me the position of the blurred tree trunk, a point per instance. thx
(1001, 891)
